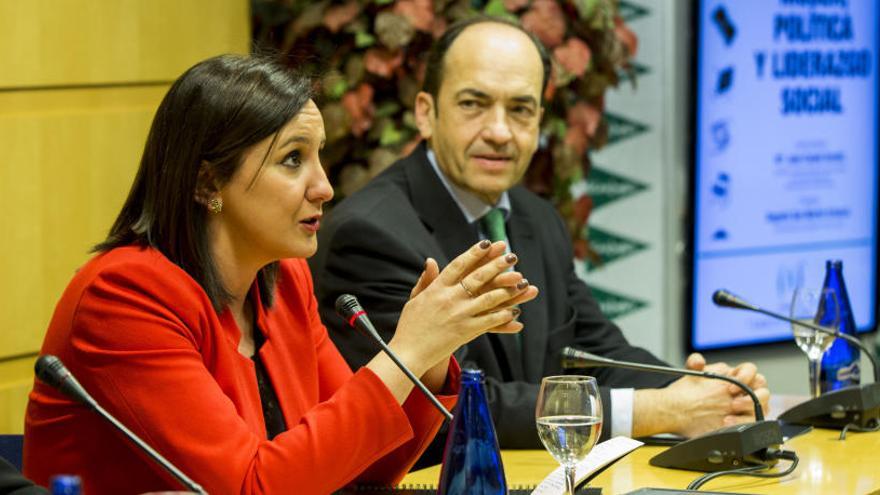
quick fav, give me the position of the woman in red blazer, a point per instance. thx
(196, 324)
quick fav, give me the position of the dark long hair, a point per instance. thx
(211, 115)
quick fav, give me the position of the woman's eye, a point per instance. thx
(292, 159)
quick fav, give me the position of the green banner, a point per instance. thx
(621, 128)
(607, 187)
(630, 11)
(611, 247)
(636, 69)
(615, 305)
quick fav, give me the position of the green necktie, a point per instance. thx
(493, 225)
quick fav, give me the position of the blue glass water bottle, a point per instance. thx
(472, 459)
(65, 484)
(840, 363)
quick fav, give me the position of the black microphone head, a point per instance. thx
(347, 306)
(725, 299)
(569, 353)
(576, 358)
(50, 370)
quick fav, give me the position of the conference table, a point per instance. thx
(827, 466)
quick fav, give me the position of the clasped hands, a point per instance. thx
(477, 292)
(704, 404)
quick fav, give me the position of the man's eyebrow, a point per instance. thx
(476, 93)
(528, 99)
(472, 92)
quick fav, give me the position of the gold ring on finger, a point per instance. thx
(468, 291)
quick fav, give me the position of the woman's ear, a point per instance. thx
(206, 186)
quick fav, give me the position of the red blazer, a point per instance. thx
(142, 337)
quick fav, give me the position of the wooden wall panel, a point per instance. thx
(79, 83)
(73, 42)
(18, 377)
(69, 160)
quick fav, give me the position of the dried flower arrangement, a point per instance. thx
(370, 55)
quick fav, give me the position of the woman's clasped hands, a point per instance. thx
(478, 292)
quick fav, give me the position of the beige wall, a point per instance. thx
(79, 82)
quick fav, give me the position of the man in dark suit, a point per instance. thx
(12, 482)
(479, 114)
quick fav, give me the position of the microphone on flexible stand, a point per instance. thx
(348, 307)
(725, 299)
(857, 405)
(51, 371)
(732, 447)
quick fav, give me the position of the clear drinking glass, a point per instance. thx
(818, 307)
(569, 418)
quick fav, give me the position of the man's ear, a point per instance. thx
(426, 114)
(206, 184)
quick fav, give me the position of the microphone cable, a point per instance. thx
(753, 471)
(854, 427)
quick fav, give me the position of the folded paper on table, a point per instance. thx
(602, 455)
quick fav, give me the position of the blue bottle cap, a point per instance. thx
(472, 374)
(65, 484)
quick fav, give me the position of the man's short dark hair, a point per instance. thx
(437, 54)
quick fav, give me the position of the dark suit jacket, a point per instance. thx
(13, 483)
(374, 245)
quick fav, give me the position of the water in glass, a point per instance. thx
(818, 307)
(569, 420)
(569, 438)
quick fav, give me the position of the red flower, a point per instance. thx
(583, 120)
(574, 55)
(382, 62)
(577, 140)
(581, 248)
(626, 37)
(583, 205)
(514, 5)
(359, 105)
(550, 90)
(581, 208)
(340, 15)
(420, 13)
(439, 27)
(546, 20)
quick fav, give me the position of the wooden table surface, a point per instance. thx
(827, 466)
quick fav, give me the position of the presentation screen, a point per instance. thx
(785, 160)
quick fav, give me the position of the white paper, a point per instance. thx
(602, 454)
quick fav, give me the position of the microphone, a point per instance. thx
(51, 371)
(732, 447)
(348, 307)
(857, 405)
(725, 299)
(574, 358)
